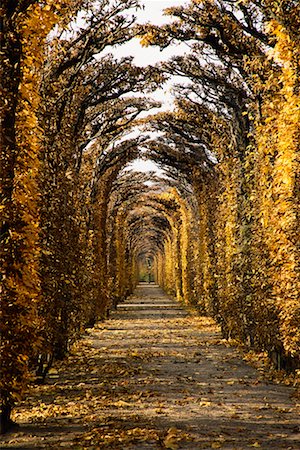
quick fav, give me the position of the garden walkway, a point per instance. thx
(154, 377)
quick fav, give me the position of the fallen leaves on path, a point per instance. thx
(155, 383)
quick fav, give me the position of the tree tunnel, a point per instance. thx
(216, 226)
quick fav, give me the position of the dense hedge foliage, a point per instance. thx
(219, 230)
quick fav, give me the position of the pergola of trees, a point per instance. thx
(219, 228)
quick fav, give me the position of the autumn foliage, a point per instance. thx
(219, 229)
(244, 110)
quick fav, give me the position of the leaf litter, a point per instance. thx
(143, 382)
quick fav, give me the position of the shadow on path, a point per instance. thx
(155, 377)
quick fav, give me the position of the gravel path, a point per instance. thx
(155, 377)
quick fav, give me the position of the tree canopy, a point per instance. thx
(218, 229)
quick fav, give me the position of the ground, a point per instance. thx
(155, 376)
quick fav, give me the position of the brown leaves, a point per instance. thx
(175, 438)
(118, 438)
(219, 232)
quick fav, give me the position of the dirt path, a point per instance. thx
(154, 377)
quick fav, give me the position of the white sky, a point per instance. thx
(152, 13)
(143, 56)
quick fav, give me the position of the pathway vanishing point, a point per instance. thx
(155, 377)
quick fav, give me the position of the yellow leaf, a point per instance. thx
(171, 440)
(216, 445)
(122, 404)
(171, 444)
(205, 404)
